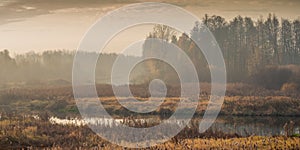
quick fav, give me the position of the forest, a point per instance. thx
(260, 109)
(254, 51)
(261, 51)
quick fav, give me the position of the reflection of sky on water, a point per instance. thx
(244, 126)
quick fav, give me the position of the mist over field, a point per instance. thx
(264, 52)
(39, 107)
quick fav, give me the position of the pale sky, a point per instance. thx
(38, 25)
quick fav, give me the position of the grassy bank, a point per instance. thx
(64, 105)
(20, 130)
(29, 132)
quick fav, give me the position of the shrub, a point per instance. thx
(290, 87)
(272, 77)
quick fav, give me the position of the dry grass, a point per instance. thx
(26, 132)
(17, 131)
(261, 106)
(241, 99)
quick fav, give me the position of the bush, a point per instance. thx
(272, 77)
(290, 87)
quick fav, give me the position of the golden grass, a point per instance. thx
(27, 132)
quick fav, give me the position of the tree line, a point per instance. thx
(248, 46)
(51, 67)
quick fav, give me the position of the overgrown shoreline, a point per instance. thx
(19, 130)
(239, 101)
(29, 132)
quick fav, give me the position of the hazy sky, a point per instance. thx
(38, 25)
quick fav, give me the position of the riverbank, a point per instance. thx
(32, 132)
(240, 100)
(64, 106)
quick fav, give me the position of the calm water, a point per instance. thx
(255, 125)
(245, 126)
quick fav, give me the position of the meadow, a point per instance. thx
(241, 99)
(25, 114)
(29, 132)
